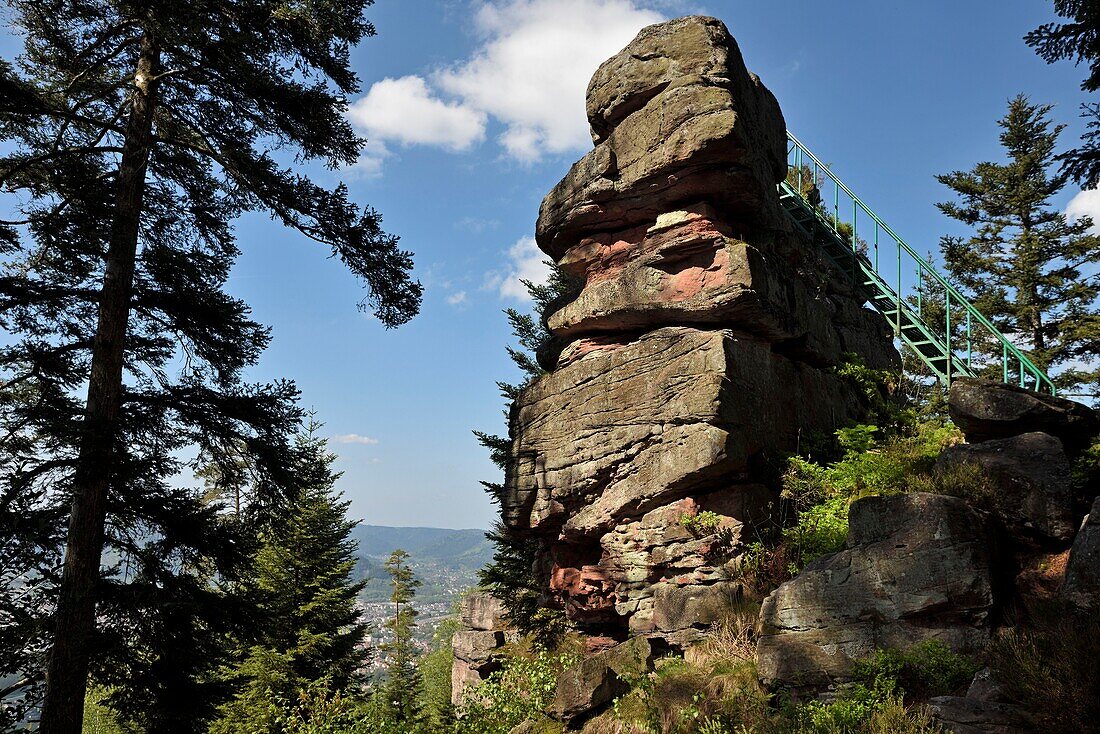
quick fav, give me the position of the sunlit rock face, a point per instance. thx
(698, 353)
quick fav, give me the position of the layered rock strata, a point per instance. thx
(698, 351)
(478, 645)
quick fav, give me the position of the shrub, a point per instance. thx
(822, 529)
(522, 690)
(702, 523)
(927, 669)
(963, 479)
(1052, 666)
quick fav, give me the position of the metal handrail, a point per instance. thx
(923, 267)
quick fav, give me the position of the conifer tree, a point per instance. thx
(308, 630)
(131, 136)
(402, 689)
(511, 575)
(1077, 41)
(1027, 267)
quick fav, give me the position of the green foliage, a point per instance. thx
(927, 669)
(1026, 266)
(875, 702)
(1077, 41)
(818, 494)
(100, 719)
(862, 712)
(701, 523)
(716, 690)
(877, 387)
(511, 575)
(306, 640)
(401, 693)
(821, 529)
(960, 479)
(435, 674)
(131, 137)
(521, 690)
(1051, 665)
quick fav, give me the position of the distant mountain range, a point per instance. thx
(446, 561)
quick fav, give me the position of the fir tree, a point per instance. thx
(308, 630)
(1077, 41)
(512, 575)
(133, 134)
(402, 689)
(1026, 266)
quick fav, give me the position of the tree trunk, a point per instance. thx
(74, 619)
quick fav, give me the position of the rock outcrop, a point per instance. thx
(478, 645)
(987, 410)
(599, 679)
(1082, 583)
(699, 347)
(1033, 492)
(916, 567)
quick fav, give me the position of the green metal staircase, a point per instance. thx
(895, 279)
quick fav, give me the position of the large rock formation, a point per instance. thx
(699, 349)
(916, 567)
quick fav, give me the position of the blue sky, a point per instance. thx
(475, 109)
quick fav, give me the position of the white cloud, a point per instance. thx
(457, 299)
(527, 262)
(1086, 204)
(533, 67)
(406, 111)
(529, 74)
(354, 438)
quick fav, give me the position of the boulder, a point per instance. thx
(597, 680)
(986, 410)
(1033, 485)
(1082, 583)
(916, 567)
(483, 611)
(966, 715)
(677, 119)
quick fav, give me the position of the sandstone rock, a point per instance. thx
(1031, 474)
(916, 567)
(688, 611)
(597, 680)
(1082, 583)
(678, 118)
(463, 676)
(967, 715)
(629, 428)
(483, 611)
(691, 268)
(476, 646)
(989, 410)
(697, 349)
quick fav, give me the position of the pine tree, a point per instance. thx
(308, 630)
(402, 689)
(1026, 266)
(132, 136)
(1077, 41)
